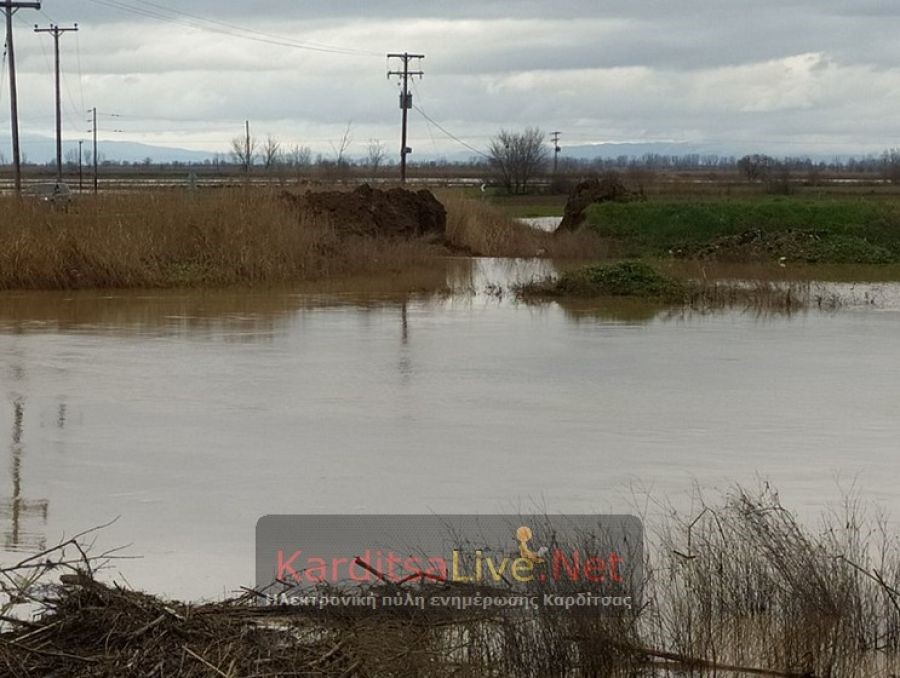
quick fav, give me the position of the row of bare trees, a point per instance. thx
(272, 154)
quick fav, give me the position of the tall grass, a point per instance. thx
(233, 237)
(483, 229)
(170, 239)
(744, 582)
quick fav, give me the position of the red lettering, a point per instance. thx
(571, 569)
(594, 568)
(286, 568)
(614, 561)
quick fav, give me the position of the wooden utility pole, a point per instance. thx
(247, 147)
(96, 175)
(56, 32)
(80, 171)
(9, 7)
(556, 150)
(406, 102)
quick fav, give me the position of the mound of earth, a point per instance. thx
(395, 213)
(756, 245)
(590, 191)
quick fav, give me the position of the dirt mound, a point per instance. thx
(586, 193)
(395, 213)
(757, 245)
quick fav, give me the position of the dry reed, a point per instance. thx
(177, 238)
(182, 239)
(736, 587)
(483, 229)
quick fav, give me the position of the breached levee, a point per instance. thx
(608, 188)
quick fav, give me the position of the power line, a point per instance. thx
(450, 135)
(253, 31)
(406, 100)
(80, 72)
(57, 32)
(191, 21)
(10, 8)
(3, 73)
(556, 150)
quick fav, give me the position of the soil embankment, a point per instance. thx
(590, 192)
(367, 211)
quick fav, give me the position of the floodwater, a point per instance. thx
(188, 415)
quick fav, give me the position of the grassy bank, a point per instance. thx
(798, 229)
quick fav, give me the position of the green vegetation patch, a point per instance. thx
(624, 279)
(827, 231)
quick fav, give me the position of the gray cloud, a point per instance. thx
(796, 76)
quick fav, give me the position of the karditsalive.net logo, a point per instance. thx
(592, 560)
(463, 566)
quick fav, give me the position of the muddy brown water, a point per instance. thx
(191, 414)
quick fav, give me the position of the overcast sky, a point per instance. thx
(819, 76)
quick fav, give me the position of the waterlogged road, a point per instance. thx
(190, 415)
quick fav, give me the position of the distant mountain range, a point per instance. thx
(42, 149)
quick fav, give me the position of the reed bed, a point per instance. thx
(183, 239)
(640, 280)
(227, 237)
(482, 229)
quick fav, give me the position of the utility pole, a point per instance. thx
(80, 171)
(406, 101)
(247, 148)
(556, 150)
(10, 8)
(96, 175)
(56, 32)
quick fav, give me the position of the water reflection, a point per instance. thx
(235, 316)
(393, 395)
(17, 509)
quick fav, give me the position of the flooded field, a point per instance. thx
(188, 415)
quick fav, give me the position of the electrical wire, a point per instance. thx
(80, 72)
(255, 31)
(174, 17)
(428, 125)
(3, 73)
(449, 134)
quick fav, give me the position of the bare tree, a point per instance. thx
(71, 158)
(340, 149)
(375, 155)
(891, 165)
(299, 156)
(271, 152)
(243, 153)
(518, 157)
(756, 167)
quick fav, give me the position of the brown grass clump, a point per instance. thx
(482, 229)
(180, 239)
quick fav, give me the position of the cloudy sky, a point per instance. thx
(815, 76)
